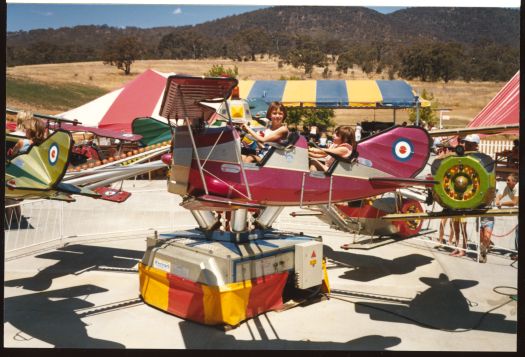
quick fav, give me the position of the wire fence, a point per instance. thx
(503, 240)
(29, 225)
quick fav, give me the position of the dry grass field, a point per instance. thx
(464, 99)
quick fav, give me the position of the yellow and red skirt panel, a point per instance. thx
(211, 305)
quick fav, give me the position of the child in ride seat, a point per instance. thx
(343, 145)
(277, 131)
(35, 130)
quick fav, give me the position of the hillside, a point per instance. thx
(463, 25)
(350, 25)
(359, 24)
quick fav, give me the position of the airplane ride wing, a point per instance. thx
(43, 166)
(37, 173)
(211, 202)
(465, 131)
(401, 182)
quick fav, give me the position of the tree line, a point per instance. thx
(425, 60)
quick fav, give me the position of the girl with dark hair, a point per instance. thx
(276, 131)
(344, 144)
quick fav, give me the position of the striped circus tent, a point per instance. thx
(116, 110)
(142, 97)
(378, 94)
(503, 109)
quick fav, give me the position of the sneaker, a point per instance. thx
(483, 259)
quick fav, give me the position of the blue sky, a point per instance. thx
(34, 16)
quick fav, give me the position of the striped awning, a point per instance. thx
(332, 93)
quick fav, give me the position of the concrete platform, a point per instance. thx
(404, 295)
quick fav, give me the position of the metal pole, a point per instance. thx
(417, 110)
(394, 117)
(61, 225)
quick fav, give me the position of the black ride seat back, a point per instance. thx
(353, 156)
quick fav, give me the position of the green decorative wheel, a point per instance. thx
(465, 182)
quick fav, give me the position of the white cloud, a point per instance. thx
(177, 11)
(44, 13)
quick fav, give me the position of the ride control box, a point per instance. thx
(308, 264)
(189, 255)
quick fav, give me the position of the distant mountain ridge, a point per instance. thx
(464, 25)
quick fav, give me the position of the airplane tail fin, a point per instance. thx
(43, 166)
(401, 151)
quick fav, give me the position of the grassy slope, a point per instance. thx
(49, 96)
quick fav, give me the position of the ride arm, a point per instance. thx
(16, 148)
(335, 153)
(316, 153)
(273, 137)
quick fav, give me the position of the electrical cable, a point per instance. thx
(506, 234)
(423, 324)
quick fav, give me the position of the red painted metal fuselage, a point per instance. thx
(285, 178)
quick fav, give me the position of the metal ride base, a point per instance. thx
(223, 282)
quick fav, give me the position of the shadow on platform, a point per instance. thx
(217, 339)
(442, 306)
(367, 268)
(51, 317)
(77, 259)
(15, 223)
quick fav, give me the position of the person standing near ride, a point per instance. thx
(511, 191)
(277, 131)
(486, 227)
(343, 146)
(358, 130)
(470, 143)
(443, 149)
(35, 131)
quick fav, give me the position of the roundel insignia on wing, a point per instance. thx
(52, 154)
(402, 149)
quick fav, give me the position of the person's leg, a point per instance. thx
(516, 238)
(442, 230)
(463, 229)
(452, 240)
(485, 234)
(482, 249)
(247, 158)
(515, 256)
(456, 235)
(315, 165)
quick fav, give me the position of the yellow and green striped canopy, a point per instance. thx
(332, 93)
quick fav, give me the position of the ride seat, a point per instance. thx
(285, 145)
(353, 156)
